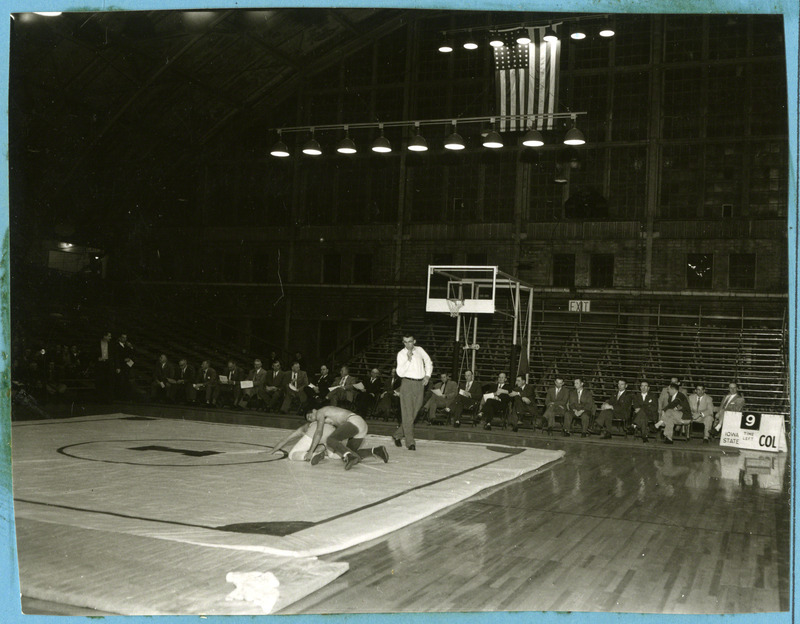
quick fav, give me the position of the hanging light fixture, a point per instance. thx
(346, 145)
(550, 35)
(495, 41)
(279, 150)
(533, 138)
(493, 140)
(381, 144)
(418, 142)
(454, 141)
(607, 32)
(522, 37)
(446, 46)
(577, 33)
(470, 43)
(311, 146)
(574, 136)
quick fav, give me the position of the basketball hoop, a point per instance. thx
(455, 306)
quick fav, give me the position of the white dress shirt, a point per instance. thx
(415, 364)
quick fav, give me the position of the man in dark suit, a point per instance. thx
(236, 375)
(389, 398)
(273, 390)
(579, 405)
(184, 380)
(497, 403)
(447, 390)
(645, 410)
(319, 387)
(258, 375)
(618, 406)
(207, 383)
(342, 389)
(163, 384)
(367, 400)
(104, 377)
(122, 355)
(295, 388)
(677, 410)
(524, 398)
(555, 404)
(469, 395)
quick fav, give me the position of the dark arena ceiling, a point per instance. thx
(109, 106)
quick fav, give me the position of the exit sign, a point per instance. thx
(580, 305)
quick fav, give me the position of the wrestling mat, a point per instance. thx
(139, 515)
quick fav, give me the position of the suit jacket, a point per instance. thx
(705, 408)
(562, 400)
(475, 391)
(374, 386)
(162, 373)
(621, 405)
(118, 353)
(349, 383)
(735, 404)
(663, 398)
(322, 382)
(649, 404)
(236, 375)
(208, 376)
(503, 398)
(585, 403)
(302, 380)
(187, 375)
(680, 402)
(391, 384)
(258, 377)
(277, 379)
(528, 392)
(449, 391)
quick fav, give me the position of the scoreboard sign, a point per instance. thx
(750, 430)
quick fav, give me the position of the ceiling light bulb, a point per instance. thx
(382, 145)
(493, 140)
(606, 32)
(470, 45)
(418, 144)
(574, 137)
(496, 42)
(533, 138)
(346, 146)
(550, 35)
(523, 39)
(578, 35)
(446, 47)
(279, 150)
(454, 142)
(312, 148)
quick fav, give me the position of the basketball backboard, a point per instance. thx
(474, 285)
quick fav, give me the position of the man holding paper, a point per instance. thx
(344, 388)
(233, 380)
(254, 385)
(524, 397)
(208, 382)
(415, 368)
(442, 395)
(163, 385)
(469, 395)
(297, 381)
(496, 401)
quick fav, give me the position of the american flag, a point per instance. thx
(527, 79)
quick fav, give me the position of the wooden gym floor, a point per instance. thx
(616, 526)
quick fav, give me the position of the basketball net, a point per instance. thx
(455, 306)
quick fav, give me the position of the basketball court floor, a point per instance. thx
(165, 510)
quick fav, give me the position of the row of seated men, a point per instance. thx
(272, 390)
(635, 412)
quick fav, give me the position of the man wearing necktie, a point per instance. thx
(297, 381)
(497, 403)
(342, 388)
(702, 410)
(415, 368)
(618, 406)
(555, 404)
(645, 410)
(469, 395)
(579, 405)
(273, 390)
(733, 402)
(524, 403)
(163, 379)
(448, 389)
(184, 378)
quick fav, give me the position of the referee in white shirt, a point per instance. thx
(415, 368)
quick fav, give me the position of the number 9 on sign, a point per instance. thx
(751, 422)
